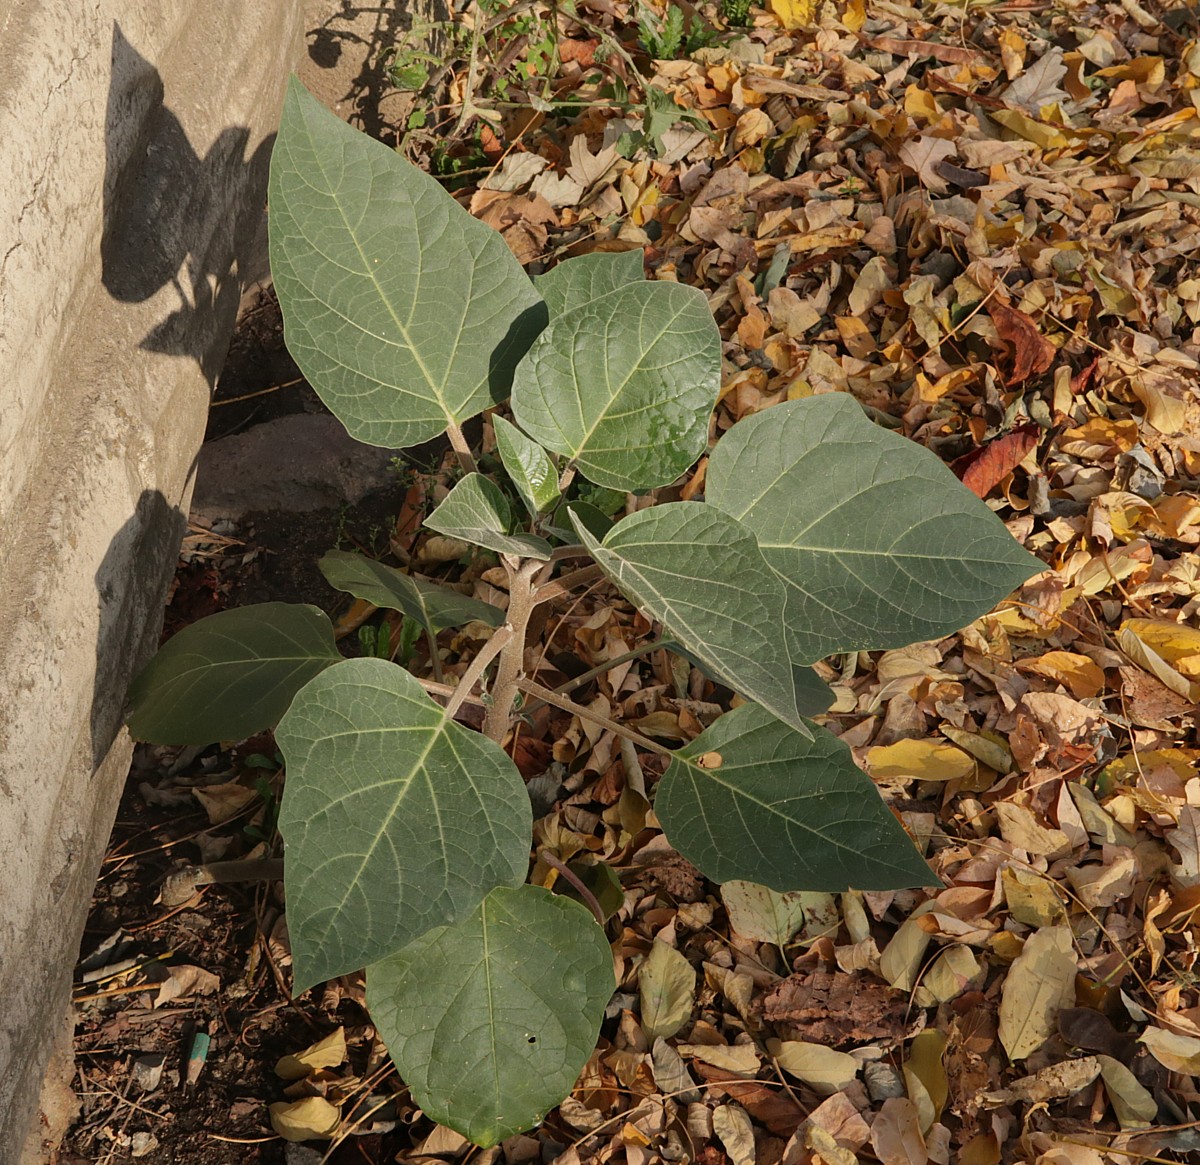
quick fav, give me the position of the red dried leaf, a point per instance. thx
(583, 51)
(985, 468)
(1031, 353)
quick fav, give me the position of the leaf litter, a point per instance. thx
(981, 222)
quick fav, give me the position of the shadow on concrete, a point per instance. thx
(161, 226)
(147, 548)
(170, 219)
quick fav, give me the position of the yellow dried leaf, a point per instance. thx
(1173, 641)
(1025, 127)
(667, 991)
(1099, 436)
(1031, 898)
(793, 14)
(1019, 827)
(1082, 677)
(326, 1053)
(823, 1069)
(925, 1077)
(924, 760)
(1148, 658)
(1040, 983)
(1175, 1052)
(310, 1119)
(739, 1058)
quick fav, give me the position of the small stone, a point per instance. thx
(148, 1070)
(883, 1081)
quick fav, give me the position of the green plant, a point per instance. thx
(736, 13)
(671, 35)
(408, 836)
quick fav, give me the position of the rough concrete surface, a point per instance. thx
(134, 140)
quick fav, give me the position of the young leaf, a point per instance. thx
(476, 511)
(230, 675)
(432, 606)
(625, 384)
(528, 465)
(404, 312)
(395, 819)
(875, 541)
(751, 799)
(574, 283)
(700, 573)
(490, 1021)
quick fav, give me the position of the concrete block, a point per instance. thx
(134, 141)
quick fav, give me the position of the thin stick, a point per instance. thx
(232, 400)
(566, 584)
(608, 665)
(492, 648)
(512, 658)
(459, 443)
(570, 875)
(445, 691)
(549, 697)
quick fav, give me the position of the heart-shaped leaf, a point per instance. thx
(230, 675)
(491, 1020)
(476, 511)
(625, 384)
(875, 541)
(395, 819)
(432, 606)
(750, 799)
(404, 313)
(574, 283)
(528, 465)
(700, 573)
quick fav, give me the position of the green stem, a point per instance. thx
(458, 442)
(512, 657)
(493, 647)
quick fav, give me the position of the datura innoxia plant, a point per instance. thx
(407, 836)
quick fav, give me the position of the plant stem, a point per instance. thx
(572, 877)
(568, 476)
(458, 442)
(512, 658)
(499, 640)
(567, 705)
(445, 691)
(608, 665)
(567, 583)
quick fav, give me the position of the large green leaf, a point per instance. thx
(431, 606)
(700, 573)
(476, 511)
(625, 384)
(395, 819)
(574, 283)
(528, 465)
(749, 799)
(875, 540)
(230, 675)
(491, 1020)
(404, 312)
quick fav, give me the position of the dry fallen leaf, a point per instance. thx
(325, 1053)
(667, 990)
(1040, 982)
(310, 1119)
